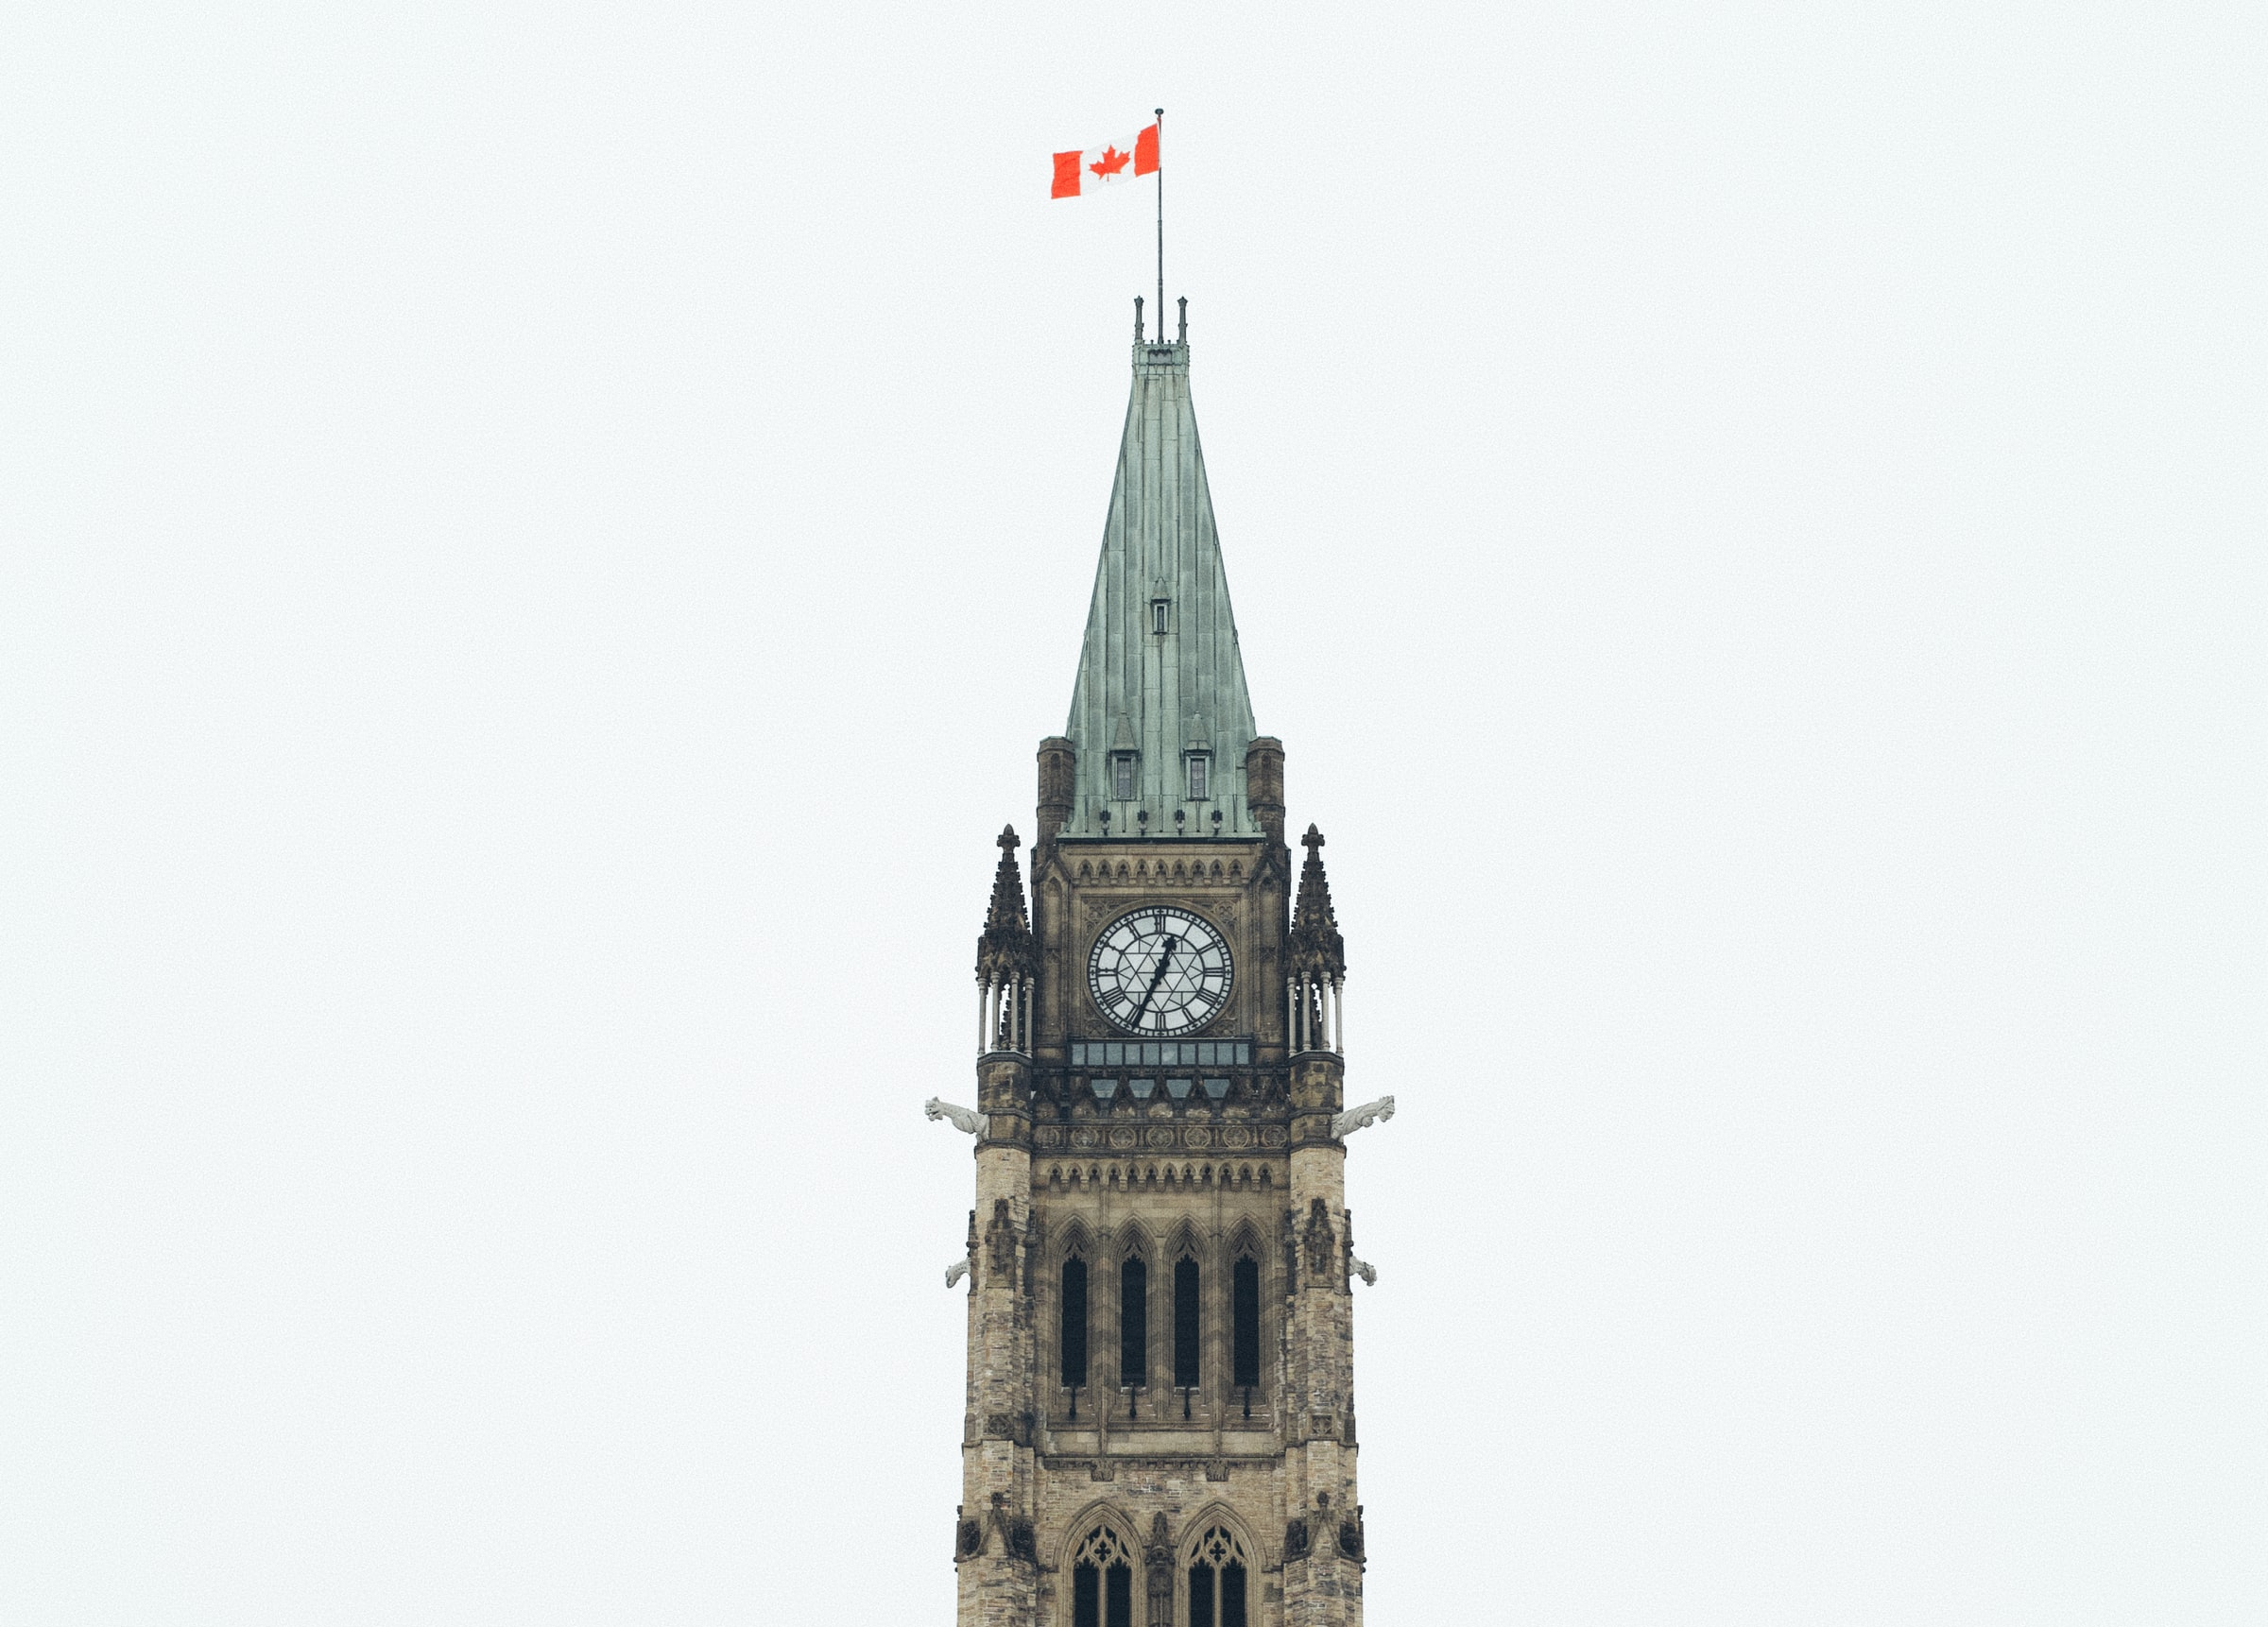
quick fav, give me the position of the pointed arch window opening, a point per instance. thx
(1072, 1329)
(1133, 1324)
(1244, 1325)
(1102, 1582)
(1219, 1575)
(1188, 1330)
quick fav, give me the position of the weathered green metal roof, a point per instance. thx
(1161, 696)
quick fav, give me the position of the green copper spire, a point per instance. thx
(1159, 715)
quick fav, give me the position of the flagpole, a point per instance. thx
(1161, 223)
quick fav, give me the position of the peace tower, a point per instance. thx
(1159, 1423)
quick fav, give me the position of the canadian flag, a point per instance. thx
(1078, 173)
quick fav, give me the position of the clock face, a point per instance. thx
(1159, 970)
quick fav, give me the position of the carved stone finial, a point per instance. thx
(1184, 303)
(1138, 318)
(1317, 950)
(1005, 951)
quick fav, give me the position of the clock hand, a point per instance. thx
(1164, 956)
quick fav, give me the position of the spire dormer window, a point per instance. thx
(1121, 776)
(1162, 615)
(1200, 776)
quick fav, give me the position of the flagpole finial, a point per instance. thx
(1138, 318)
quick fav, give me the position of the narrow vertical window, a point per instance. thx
(1200, 778)
(1158, 610)
(1122, 776)
(1086, 1594)
(1185, 1324)
(1074, 1323)
(1134, 1323)
(1118, 1596)
(1245, 1359)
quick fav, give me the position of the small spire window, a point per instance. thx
(1200, 776)
(1122, 776)
(1162, 615)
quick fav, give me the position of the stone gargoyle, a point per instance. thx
(968, 1124)
(1354, 1119)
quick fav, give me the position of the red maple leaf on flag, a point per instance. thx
(1112, 162)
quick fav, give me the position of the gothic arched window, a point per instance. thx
(1217, 1581)
(1102, 1582)
(1186, 1325)
(1074, 1341)
(1244, 1323)
(1133, 1322)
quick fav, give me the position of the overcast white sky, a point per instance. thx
(537, 542)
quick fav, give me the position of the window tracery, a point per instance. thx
(1217, 1579)
(1102, 1582)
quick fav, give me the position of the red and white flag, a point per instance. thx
(1080, 173)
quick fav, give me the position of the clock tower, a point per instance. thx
(1159, 1429)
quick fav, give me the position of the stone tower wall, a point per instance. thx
(993, 1542)
(1257, 1173)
